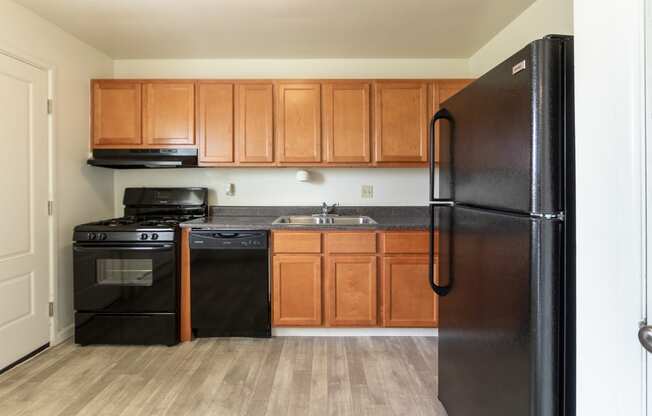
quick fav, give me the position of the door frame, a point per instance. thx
(612, 225)
(51, 72)
(646, 117)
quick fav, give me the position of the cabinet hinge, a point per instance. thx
(51, 309)
(50, 208)
(50, 104)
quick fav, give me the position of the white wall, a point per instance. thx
(256, 186)
(542, 18)
(278, 186)
(82, 193)
(291, 68)
(610, 202)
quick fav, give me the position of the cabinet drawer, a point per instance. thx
(354, 242)
(408, 242)
(297, 242)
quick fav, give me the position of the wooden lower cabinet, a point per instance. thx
(407, 299)
(350, 291)
(352, 278)
(296, 290)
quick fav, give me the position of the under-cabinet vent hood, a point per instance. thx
(144, 158)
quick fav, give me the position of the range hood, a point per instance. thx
(144, 158)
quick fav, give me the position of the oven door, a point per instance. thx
(125, 278)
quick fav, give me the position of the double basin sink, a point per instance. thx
(324, 220)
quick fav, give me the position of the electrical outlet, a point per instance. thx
(230, 189)
(367, 192)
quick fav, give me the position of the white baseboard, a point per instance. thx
(354, 332)
(63, 335)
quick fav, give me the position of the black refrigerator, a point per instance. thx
(502, 201)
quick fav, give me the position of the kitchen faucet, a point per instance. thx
(325, 209)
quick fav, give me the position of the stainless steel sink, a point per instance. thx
(324, 220)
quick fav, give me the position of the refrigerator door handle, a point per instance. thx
(439, 290)
(442, 114)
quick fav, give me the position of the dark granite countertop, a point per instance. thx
(261, 218)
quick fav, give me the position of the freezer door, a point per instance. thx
(499, 334)
(503, 145)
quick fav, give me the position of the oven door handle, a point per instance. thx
(164, 247)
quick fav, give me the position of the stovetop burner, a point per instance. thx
(136, 223)
(151, 214)
(165, 221)
(115, 222)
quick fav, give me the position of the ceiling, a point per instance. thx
(282, 28)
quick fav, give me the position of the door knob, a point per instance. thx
(645, 336)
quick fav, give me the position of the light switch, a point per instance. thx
(367, 191)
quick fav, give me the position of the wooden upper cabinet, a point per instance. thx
(298, 123)
(296, 290)
(446, 88)
(401, 121)
(442, 90)
(346, 122)
(350, 291)
(215, 130)
(408, 300)
(116, 113)
(169, 113)
(255, 123)
(265, 122)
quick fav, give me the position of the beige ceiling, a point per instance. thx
(282, 28)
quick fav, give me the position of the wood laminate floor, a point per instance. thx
(279, 376)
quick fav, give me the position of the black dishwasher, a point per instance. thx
(229, 284)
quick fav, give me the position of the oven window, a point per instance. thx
(125, 272)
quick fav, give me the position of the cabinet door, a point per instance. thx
(116, 113)
(346, 122)
(215, 122)
(351, 291)
(255, 125)
(296, 290)
(169, 114)
(442, 90)
(446, 88)
(298, 125)
(408, 300)
(401, 121)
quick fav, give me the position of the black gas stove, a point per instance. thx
(126, 270)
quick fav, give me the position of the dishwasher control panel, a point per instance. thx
(218, 240)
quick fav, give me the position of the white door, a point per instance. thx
(24, 228)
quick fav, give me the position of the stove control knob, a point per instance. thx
(154, 236)
(102, 236)
(144, 236)
(92, 236)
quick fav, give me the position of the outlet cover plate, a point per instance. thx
(367, 191)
